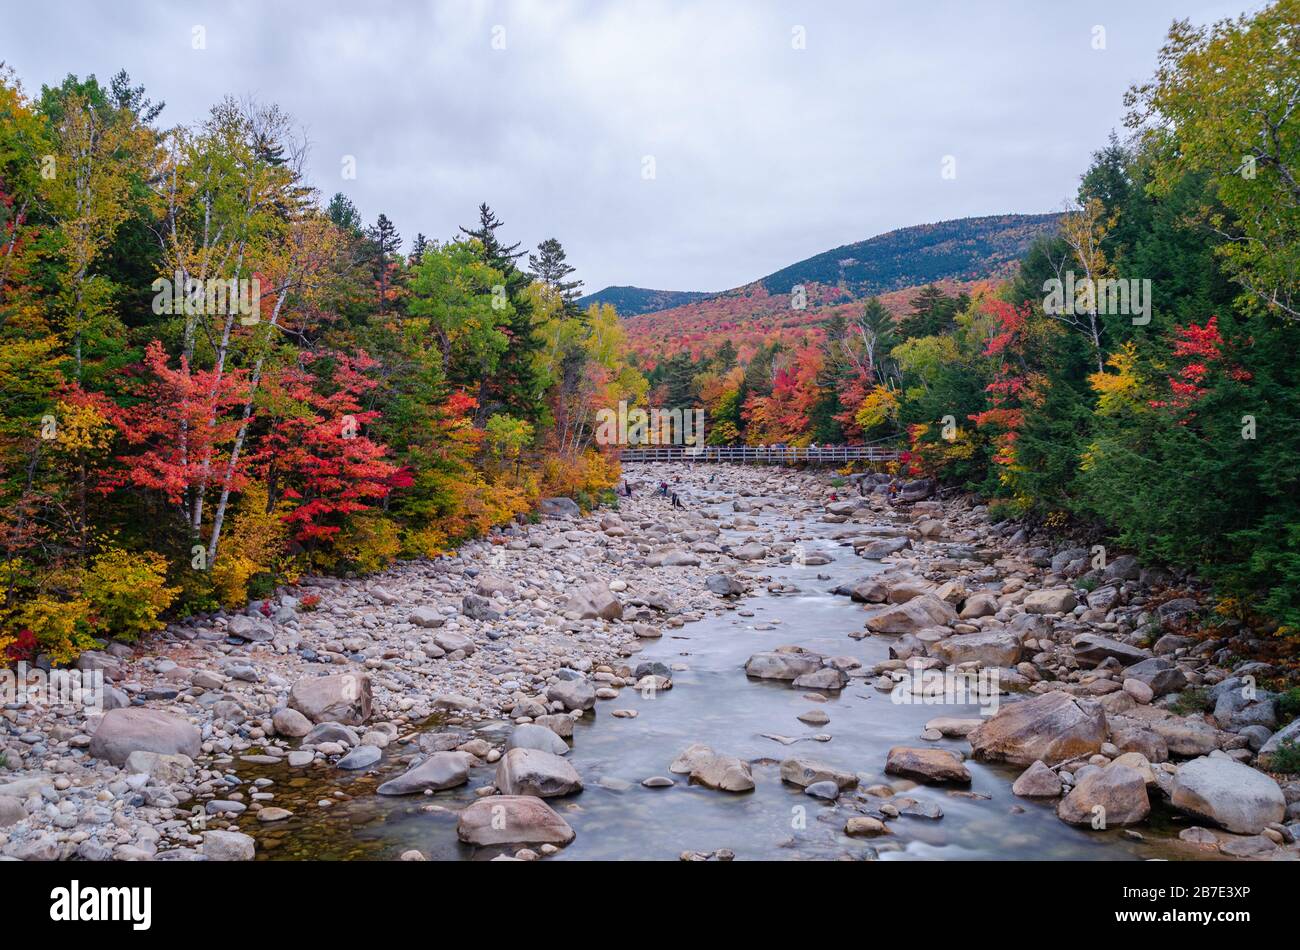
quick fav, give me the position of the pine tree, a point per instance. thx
(344, 213)
(514, 386)
(549, 266)
(385, 242)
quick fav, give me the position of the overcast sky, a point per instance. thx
(763, 153)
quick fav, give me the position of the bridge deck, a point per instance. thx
(759, 454)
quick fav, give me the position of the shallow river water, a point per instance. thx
(714, 702)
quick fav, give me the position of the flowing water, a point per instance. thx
(715, 703)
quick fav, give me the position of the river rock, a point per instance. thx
(572, 694)
(1053, 727)
(342, 697)
(1055, 600)
(594, 600)
(426, 617)
(1228, 793)
(512, 819)
(228, 846)
(981, 604)
(1093, 648)
(781, 665)
(825, 678)
(933, 766)
(1110, 797)
(559, 508)
(1158, 673)
(253, 629)
(805, 772)
(123, 731)
(883, 547)
(537, 773)
(724, 773)
(530, 735)
(165, 769)
(440, 770)
(291, 723)
(992, 648)
(362, 757)
(1037, 781)
(913, 616)
(724, 585)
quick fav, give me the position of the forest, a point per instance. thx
(216, 381)
(1173, 436)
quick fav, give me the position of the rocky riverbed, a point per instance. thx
(723, 672)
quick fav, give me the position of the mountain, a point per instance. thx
(962, 249)
(633, 301)
(955, 255)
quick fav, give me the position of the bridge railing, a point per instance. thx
(760, 454)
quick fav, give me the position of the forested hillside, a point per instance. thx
(1168, 428)
(959, 250)
(631, 301)
(214, 381)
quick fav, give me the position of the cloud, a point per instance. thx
(764, 153)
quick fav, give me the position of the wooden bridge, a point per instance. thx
(761, 454)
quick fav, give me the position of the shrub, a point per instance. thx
(127, 591)
(255, 545)
(1195, 699)
(366, 544)
(61, 628)
(1287, 758)
(1288, 704)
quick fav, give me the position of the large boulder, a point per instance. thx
(1037, 781)
(537, 773)
(868, 590)
(512, 819)
(932, 766)
(136, 729)
(1095, 649)
(883, 547)
(594, 601)
(1158, 673)
(672, 557)
(440, 770)
(342, 697)
(254, 629)
(987, 648)
(530, 735)
(1053, 727)
(724, 585)
(827, 678)
(572, 694)
(228, 846)
(1228, 793)
(559, 508)
(714, 770)
(1110, 797)
(782, 664)
(1054, 600)
(1187, 736)
(913, 616)
(804, 772)
(979, 604)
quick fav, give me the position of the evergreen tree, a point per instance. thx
(384, 243)
(549, 266)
